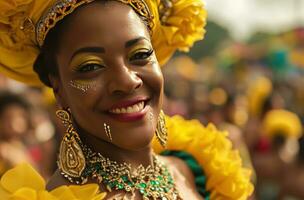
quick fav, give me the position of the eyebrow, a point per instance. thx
(134, 41)
(102, 50)
(89, 50)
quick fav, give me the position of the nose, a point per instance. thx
(124, 81)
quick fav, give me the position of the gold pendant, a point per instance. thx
(71, 159)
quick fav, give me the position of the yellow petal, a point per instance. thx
(63, 193)
(24, 194)
(26, 176)
(85, 192)
(79, 192)
(45, 195)
(4, 194)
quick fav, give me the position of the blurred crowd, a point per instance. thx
(253, 90)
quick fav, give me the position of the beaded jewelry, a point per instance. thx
(152, 182)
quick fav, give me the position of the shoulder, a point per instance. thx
(56, 180)
(179, 165)
(183, 176)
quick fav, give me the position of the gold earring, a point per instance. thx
(108, 131)
(71, 160)
(161, 129)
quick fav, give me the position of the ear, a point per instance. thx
(58, 90)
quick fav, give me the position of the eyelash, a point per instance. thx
(89, 67)
(141, 56)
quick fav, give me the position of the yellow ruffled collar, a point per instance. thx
(226, 178)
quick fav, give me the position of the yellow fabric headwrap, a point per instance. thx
(19, 49)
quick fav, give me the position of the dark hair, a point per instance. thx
(8, 98)
(46, 63)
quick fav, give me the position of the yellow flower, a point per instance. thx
(24, 183)
(183, 26)
(226, 178)
(282, 122)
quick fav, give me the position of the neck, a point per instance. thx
(134, 157)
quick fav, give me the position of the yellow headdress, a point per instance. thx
(24, 24)
(282, 122)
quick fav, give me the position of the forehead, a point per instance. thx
(105, 24)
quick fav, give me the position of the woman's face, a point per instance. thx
(108, 73)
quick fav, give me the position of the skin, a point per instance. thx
(115, 58)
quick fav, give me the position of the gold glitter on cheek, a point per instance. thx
(151, 116)
(82, 85)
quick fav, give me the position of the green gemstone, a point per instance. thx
(153, 182)
(166, 190)
(125, 178)
(152, 188)
(142, 185)
(160, 178)
(142, 191)
(120, 186)
(112, 184)
(130, 183)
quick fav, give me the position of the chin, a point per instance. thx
(136, 139)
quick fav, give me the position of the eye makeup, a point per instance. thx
(84, 59)
(140, 51)
(83, 85)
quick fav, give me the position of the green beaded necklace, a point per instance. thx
(153, 182)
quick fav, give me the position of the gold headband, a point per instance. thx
(63, 8)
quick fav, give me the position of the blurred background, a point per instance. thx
(246, 77)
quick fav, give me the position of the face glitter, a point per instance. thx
(84, 86)
(151, 116)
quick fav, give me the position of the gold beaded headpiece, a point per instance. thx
(64, 7)
(24, 25)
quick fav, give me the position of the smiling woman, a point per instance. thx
(102, 59)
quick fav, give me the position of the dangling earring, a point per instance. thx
(161, 129)
(71, 160)
(108, 131)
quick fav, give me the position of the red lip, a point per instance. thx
(126, 103)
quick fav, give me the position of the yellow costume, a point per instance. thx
(174, 25)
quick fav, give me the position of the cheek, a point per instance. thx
(155, 78)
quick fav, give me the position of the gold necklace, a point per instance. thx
(153, 182)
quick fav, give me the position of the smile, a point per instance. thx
(138, 107)
(130, 110)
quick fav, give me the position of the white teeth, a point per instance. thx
(130, 109)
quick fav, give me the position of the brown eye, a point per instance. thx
(142, 55)
(90, 67)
